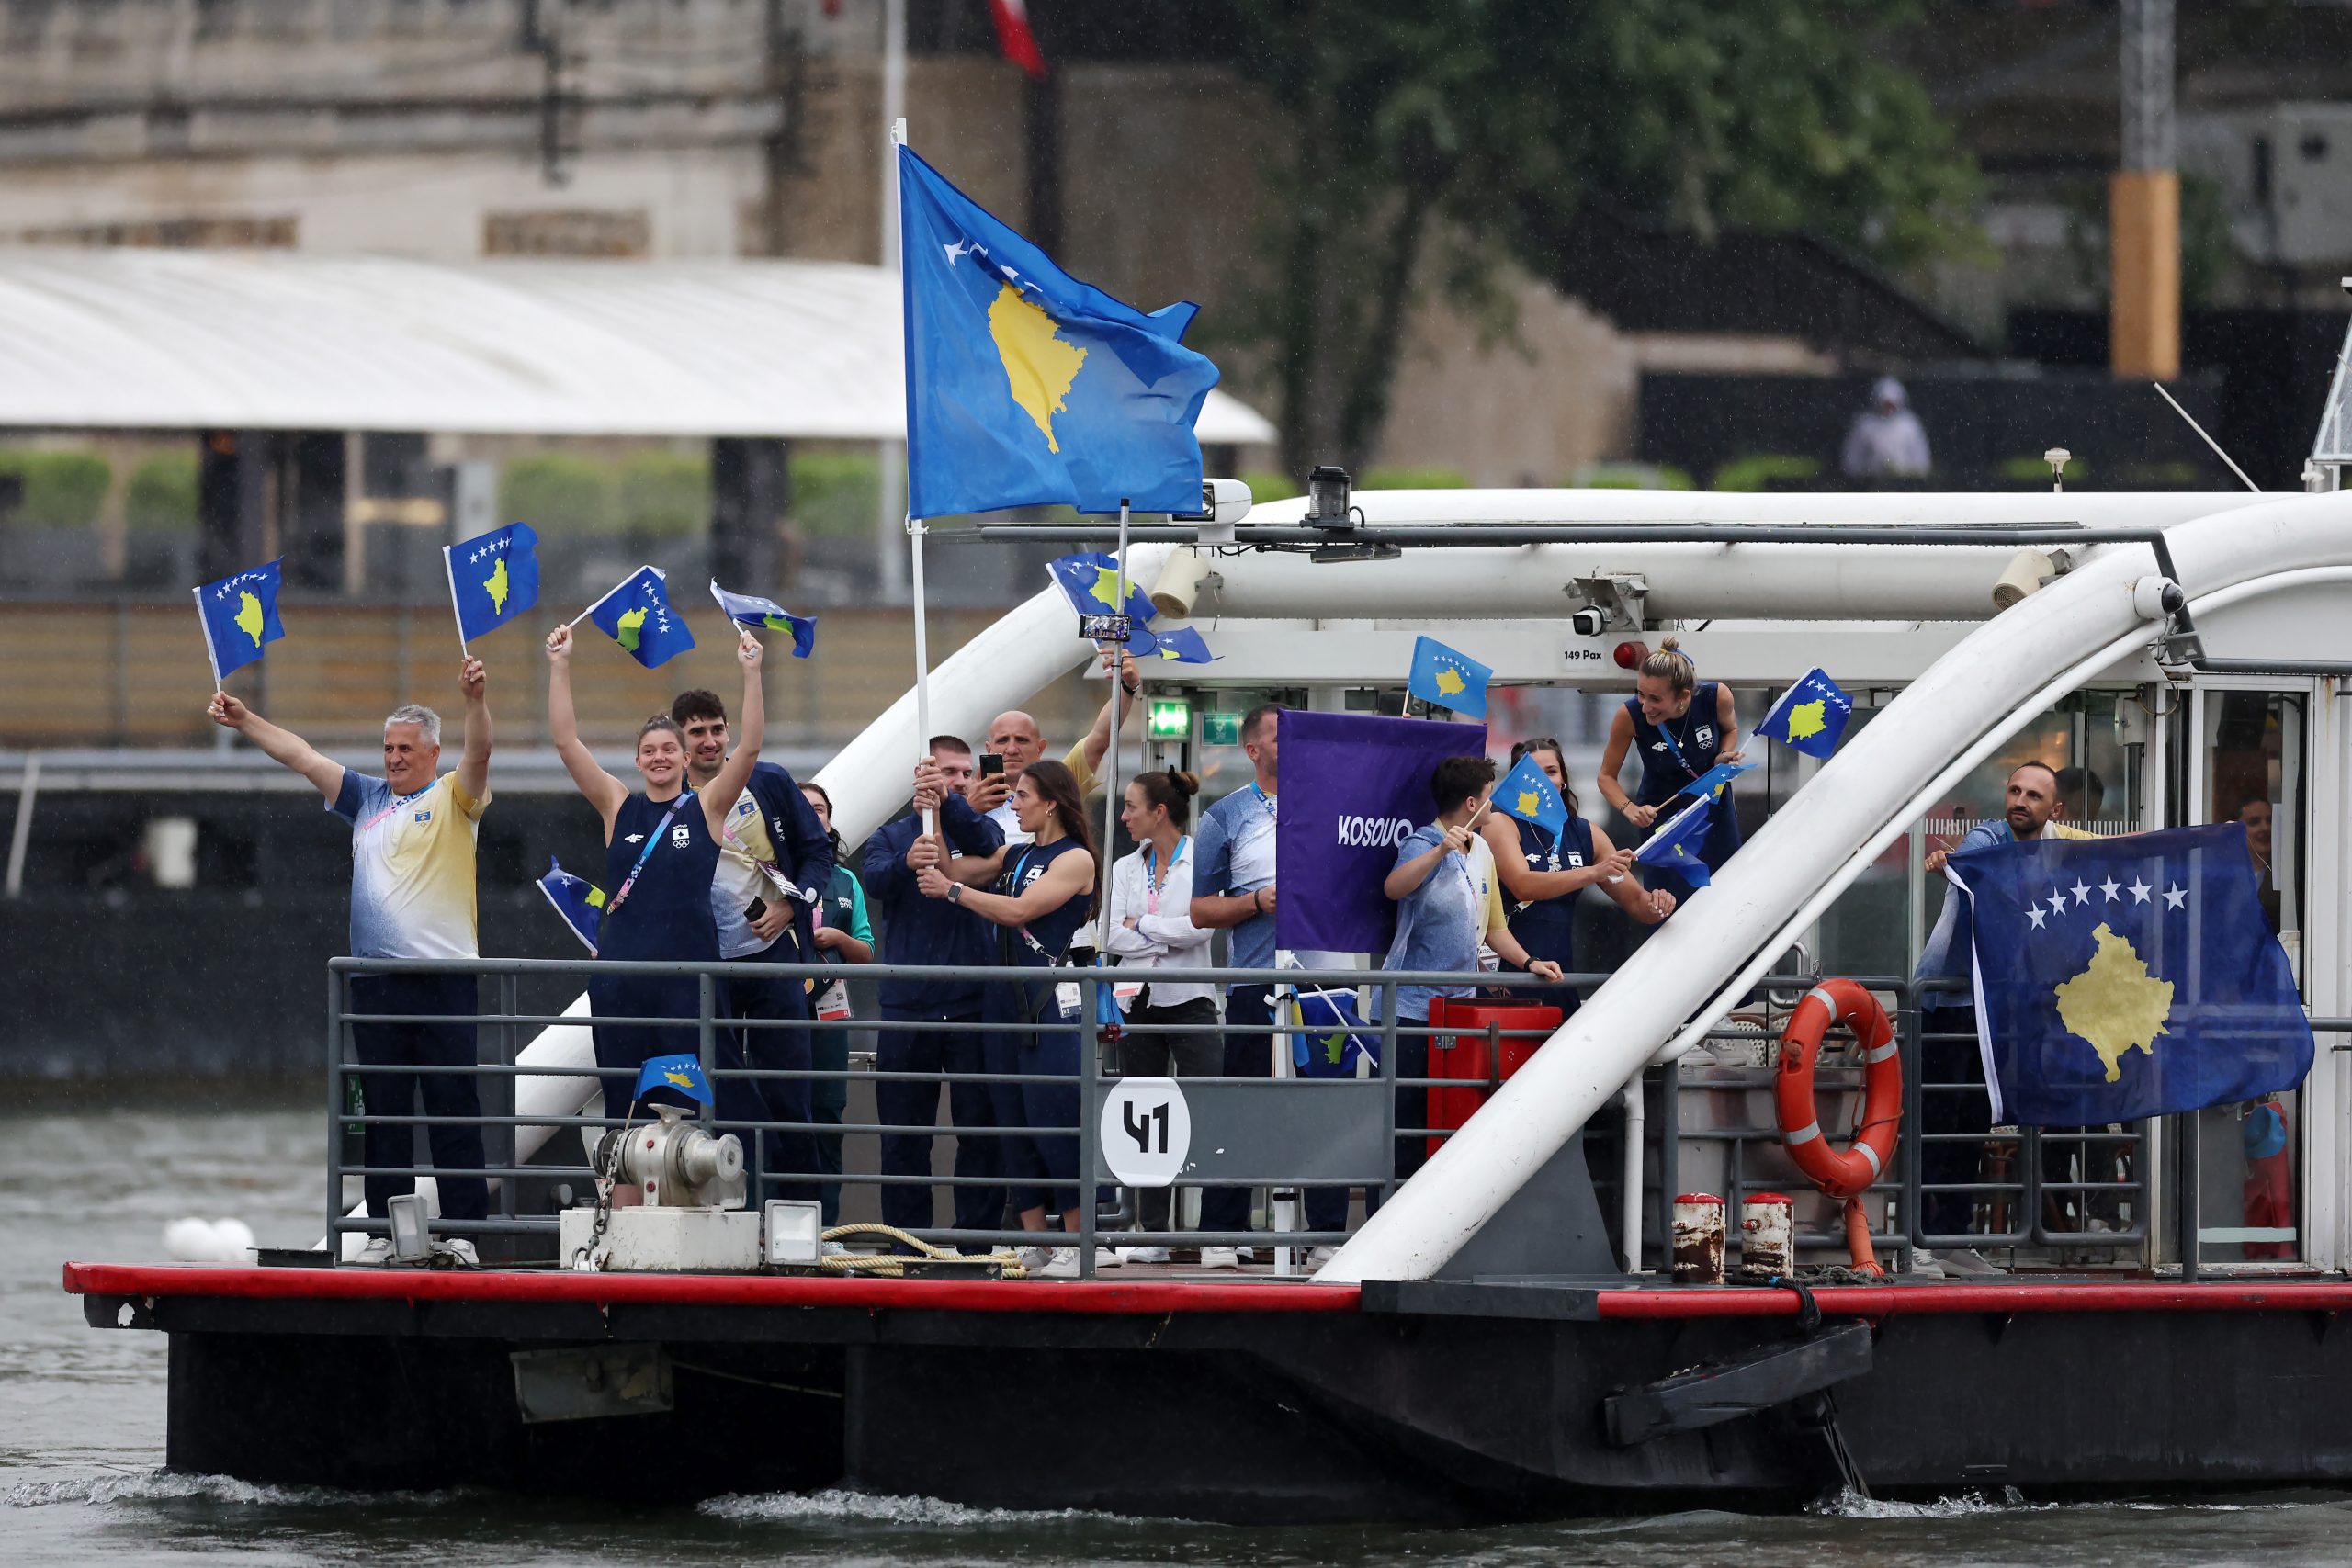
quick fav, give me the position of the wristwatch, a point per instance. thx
(954, 892)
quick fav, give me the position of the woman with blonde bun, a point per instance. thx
(1681, 726)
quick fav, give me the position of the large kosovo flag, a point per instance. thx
(1027, 388)
(2117, 978)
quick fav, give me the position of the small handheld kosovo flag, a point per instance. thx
(675, 1075)
(1715, 780)
(1027, 388)
(1089, 581)
(1181, 645)
(1810, 716)
(2128, 977)
(766, 615)
(239, 615)
(1446, 679)
(494, 578)
(1676, 843)
(639, 617)
(1332, 1039)
(579, 901)
(1528, 793)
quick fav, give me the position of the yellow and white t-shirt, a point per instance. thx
(412, 867)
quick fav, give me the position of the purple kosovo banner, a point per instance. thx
(1352, 786)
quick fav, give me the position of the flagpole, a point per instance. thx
(608, 592)
(212, 654)
(451, 567)
(893, 97)
(1110, 755)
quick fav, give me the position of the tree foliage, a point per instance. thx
(1434, 138)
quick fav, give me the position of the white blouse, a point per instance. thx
(1165, 937)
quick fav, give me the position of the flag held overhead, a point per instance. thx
(1181, 645)
(766, 615)
(1444, 678)
(494, 578)
(240, 616)
(1810, 716)
(637, 615)
(1027, 388)
(1089, 581)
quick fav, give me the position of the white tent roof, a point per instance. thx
(283, 340)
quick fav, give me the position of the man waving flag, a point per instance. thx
(1027, 388)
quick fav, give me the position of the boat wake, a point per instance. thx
(165, 1486)
(842, 1506)
(1854, 1505)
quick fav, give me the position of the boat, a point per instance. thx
(1496, 1341)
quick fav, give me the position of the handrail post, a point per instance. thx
(1388, 1100)
(1089, 1043)
(1908, 1025)
(335, 1081)
(2186, 1179)
(507, 1199)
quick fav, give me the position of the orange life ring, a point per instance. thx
(1847, 1172)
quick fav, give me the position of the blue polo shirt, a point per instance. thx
(1233, 856)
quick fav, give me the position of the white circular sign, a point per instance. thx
(1146, 1130)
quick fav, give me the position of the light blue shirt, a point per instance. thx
(1437, 924)
(1233, 856)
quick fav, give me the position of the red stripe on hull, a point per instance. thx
(2020, 1297)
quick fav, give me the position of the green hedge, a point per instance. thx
(160, 495)
(556, 492)
(1629, 475)
(1405, 477)
(663, 495)
(1761, 470)
(63, 489)
(835, 495)
(1271, 484)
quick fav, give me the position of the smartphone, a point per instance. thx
(991, 762)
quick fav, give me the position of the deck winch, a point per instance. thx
(673, 1202)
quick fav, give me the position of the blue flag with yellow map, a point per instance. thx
(1027, 388)
(766, 615)
(239, 613)
(1528, 793)
(1089, 581)
(1444, 678)
(1333, 1039)
(1676, 843)
(1810, 716)
(680, 1073)
(1181, 645)
(2117, 978)
(494, 578)
(578, 901)
(638, 615)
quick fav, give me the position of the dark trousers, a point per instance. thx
(915, 1103)
(827, 1097)
(1193, 1054)
(413, 1045)
(1412, 1105)
(1955, 1061)
(787, 1160)
(1250, 1056)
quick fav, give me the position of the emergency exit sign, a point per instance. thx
(1170, 718)
(1221, 729)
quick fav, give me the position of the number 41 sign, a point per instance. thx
(1146, 1130)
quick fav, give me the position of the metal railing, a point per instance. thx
(2024, 1188)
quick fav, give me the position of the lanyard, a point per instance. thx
(1679, 755)
(652, 842)
(1261, 793)
(396, 806)
(1150, 886)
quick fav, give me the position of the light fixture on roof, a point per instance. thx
(1327, 488)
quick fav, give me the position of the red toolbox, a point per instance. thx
(1466, 1056)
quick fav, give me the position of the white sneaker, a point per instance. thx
(1035, 1259)
(1925, 1265)
(1969, 1262)
(377, 1254)
(458, 1250)
(1142, 1254)
(1105, 1257)
(1220, 1258)
(1318, 1256)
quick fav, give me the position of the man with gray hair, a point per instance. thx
(411, 896)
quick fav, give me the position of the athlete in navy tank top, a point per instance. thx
(1679, 727)
(660, 850)
(1544, 874)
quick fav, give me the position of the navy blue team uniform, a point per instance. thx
(1040, 945)
(1547, 927)
(666, 917)
(1673, 754)
(916, 930)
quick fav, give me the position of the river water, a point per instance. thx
(82, 1439)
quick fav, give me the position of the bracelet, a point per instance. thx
(1257, 900)
(1131, 690)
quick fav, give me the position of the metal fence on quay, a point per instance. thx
(2081, 1193)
